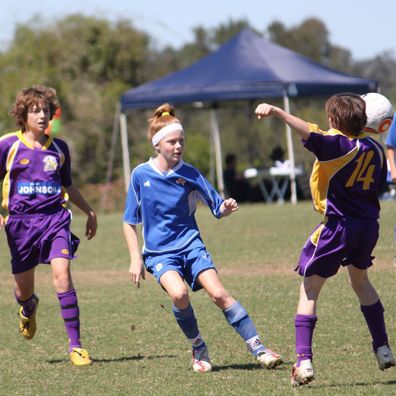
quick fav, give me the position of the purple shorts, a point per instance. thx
(39, 238)
(339, 241)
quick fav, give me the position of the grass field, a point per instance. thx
(138, 348)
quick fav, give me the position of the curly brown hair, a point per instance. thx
(29, 97)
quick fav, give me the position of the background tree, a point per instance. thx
(91, 62)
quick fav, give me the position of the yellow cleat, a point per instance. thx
(80, 357)
(27, 325)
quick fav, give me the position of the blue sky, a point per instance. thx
(354, 24)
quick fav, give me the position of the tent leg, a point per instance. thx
(110, 164)
(217, 148)
(290, 150)
(125, 150)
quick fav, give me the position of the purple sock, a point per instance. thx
(374, 315)
(304, 326)
(28, 305)
(71, 315)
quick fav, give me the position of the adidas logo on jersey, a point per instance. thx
(147, 183)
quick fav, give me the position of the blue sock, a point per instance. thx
(188, 323)
(239, 319)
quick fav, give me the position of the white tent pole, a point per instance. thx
(211, 160)
(125, 149)
(110, 163)
(290, 150)
(217, 147)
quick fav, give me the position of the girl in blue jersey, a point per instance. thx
(348, 172)
(162, 195)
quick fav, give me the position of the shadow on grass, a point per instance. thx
(250, 366)
(362, 384)
(120, 359)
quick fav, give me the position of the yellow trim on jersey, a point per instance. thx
(7, 135)
(322, 173)
(6, 182)
(29, 145)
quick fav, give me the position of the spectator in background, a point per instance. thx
(277, 157)
(235, 184)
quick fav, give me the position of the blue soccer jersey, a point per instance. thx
(33, 177)
(166, 203)
(347, 175)
(391, 137)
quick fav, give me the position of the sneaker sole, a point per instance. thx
(273, 364)
(301, 381)
(387, 365)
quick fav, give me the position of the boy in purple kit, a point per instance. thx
(349, 170)
(35, 170)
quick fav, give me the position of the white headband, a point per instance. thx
(166, 130)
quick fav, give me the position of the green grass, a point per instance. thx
(137, 346)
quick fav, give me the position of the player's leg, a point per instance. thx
(373, 312)
(25, 297)
(237, 316)
(175, 286)
(70, 312)
(304, 323)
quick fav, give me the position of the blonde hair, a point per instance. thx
(163, 116)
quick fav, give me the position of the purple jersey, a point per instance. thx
(347, 174)
(33, 177)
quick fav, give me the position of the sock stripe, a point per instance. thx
(71, 319)
(70, 306)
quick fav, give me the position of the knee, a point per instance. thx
(220, 297)
(310, 290)
(62, 282)
(359, 283)
(179, 296)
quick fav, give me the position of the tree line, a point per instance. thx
(92, 61)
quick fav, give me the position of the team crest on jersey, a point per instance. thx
(181, 181)
(158, 267)
(24, 161)
(50, 163)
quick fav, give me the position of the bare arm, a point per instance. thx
(77, 199)
(390, 153)
(297, 124)
(136, 268)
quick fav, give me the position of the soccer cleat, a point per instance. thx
(200, 360)
(269, 359)
(80, 357)
(302, 374)
(27, 325)
(384, 357)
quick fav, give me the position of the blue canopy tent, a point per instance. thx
(246, 67)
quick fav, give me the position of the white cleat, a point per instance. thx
(384, 357)
(269, 359)
(303, 374)
(200, 360)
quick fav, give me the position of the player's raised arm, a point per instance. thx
(297, 124)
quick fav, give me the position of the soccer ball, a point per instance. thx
(379, 112)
